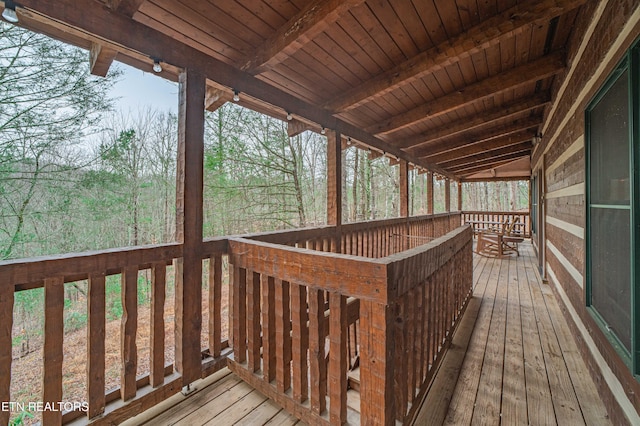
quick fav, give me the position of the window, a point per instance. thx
(613, 208)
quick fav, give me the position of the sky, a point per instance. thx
(137, 89)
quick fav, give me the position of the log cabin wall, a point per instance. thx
(604, 31)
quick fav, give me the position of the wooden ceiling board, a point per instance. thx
(395, 28)
(154, 16)
(488, 164)
(487, 8)
(448, 12)
(274, 13)
(372, 26)
(431, 21)
(408, 16)
(348, 54)
(487, 154)
(324, 71)
(362, 38)
(468, 11)
(236, 17)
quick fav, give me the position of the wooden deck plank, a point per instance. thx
(591, 405)
(282, 419)
(564, 399)
(463, 400)
(188, 406)
(261, 414)
(540, 406)
(487, 408)
(217, 405)
(238, 409)
(514, 397)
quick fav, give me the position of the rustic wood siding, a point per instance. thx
(616, 27)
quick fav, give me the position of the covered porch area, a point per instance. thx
(512, 360)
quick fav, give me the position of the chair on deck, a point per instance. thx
(499, 242)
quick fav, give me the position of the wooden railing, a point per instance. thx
(407, 304)
(488, 221)
(307, 303)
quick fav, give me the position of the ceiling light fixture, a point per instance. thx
(323, 131)
(156, 65)
(236, 96)
(289, 116)
(9, 12)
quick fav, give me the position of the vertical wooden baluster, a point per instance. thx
(431, 306)
(6, 325)
(337, 358)
(268, 328)
(158, 296)
(422, 337)
(128, 329)
(378, 360)
(239, 314)
(412, 344)
(253, 320)
(52, 351)
(96, 345)
(300, 343)
(316, 351)
(401, 349)
(230, 301)
(215, 305)
(283, 336)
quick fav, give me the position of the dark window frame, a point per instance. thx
(630, 62)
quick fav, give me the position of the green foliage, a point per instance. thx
(75, 321)
(21, 418)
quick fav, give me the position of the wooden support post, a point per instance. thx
(188, 288)
(447, 195)
(52, 352)
(459, 196)
(334, 186)
(377, 404)
(429, 192)
(334, 179)
(404, 188)
(6, 324)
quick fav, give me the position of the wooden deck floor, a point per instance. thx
(513, 361)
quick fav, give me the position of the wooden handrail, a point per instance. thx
(302, 285)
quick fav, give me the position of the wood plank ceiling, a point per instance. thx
(461, 87)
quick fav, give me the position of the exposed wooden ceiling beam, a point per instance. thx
(299, 30)
(488, 164)
(461, 142)
(489, 32)
(530, 72)
(487, 154)
(215, 98)
(101, 23)
(295, 127)
(126, 7)
(100, 59)
(485, 145)
(102, 56)
(496, 179)
(477, 122)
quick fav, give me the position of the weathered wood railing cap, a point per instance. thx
(348, 275)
